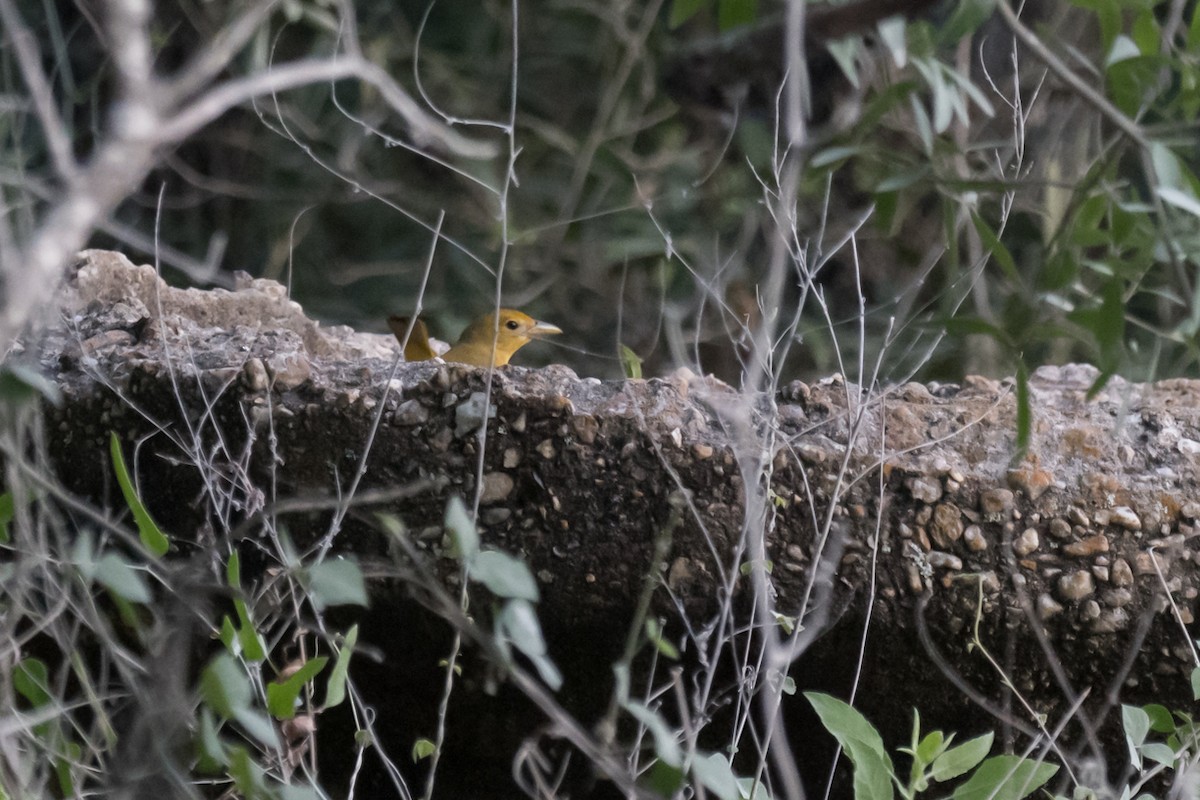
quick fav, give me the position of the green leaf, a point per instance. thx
(1024, 411)
(845, 54)
(462, 529)
(1122, 48)
(665, 745)
(873, 768)
(504, 576)
(225, 687)
(663, 779)
(1159, 753)
(422, 748)
(714, 773)
(282, 695)
(290, 792)
(258, 726)
(151, 535)
(966, 18)
(902, 179)
(19, 384)
(655, 636)
(962, 759)
(247, 774)
(1137, 724)
(249, 641)
(753, 789)
(338, 582)
(1161, 720)
(683, 10)
(930, 747)
(229, 636)
(891, 34)
(233, 571)
(1196, 684)
(211, 754)
(6, 515)
(1005, 778)
(993, 245)
(518, 623)
(631, 362)
(31, 679)
(121, 579)
(335, 692)
(1181, 199)
(64, 768)
(732, 13)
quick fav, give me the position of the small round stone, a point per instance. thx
(939, 560)
(1076, 585)
(996, 501)
(1090, 546)
(1122, 574)
(1047, 606)
(1060, 528)
(974, 538)
(1026, 543)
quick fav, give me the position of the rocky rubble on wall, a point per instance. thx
(1091, 539)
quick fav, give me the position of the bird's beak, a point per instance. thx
(543, 329)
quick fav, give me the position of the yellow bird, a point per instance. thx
(417, 346)
(485, 341)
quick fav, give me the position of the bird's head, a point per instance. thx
(511, 331)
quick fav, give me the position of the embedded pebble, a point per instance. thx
(946, 527)
(1101, 573)
(1116, 598)
(974, 538)
(702, 451)
(1122, 575)
(996, 501)
(497, 486)
(1116, 619)
(1026, 543)
(1076, 585)
(1047, 606)
(1078, 517)
(495, 516)
(290, 370)
(546, 449)
(254, 373)
(927, 490)
(1089, 611)
(939, 560)
(511, 458)
(991, 583)
(1125, 517)
(1090, 546)
(1033, 481)
(1190, 510)
(410, 412)
(469, 416)
(1060, 528)
(1143, 564)
(811, 453)
(585, 427)
(915, 584)
(1189, 447)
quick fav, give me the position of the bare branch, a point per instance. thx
(423, 128)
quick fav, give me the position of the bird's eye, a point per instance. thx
(512, 325)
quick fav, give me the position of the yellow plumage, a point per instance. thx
(490, 340)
